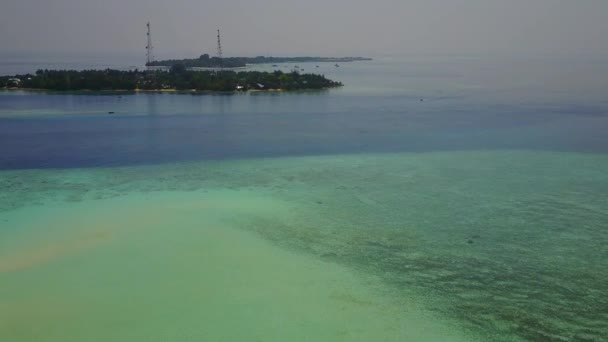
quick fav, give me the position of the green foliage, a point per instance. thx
(178, 69)
(177, 78)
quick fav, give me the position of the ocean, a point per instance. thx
(432, 198)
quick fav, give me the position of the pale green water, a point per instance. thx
(478, 245)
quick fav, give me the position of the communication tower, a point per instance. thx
(149, 48)
(219, 47)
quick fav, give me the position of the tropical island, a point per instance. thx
(205, 61)
(177, 78)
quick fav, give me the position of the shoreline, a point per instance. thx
(168, 91)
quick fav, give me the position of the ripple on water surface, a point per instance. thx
(510, 245)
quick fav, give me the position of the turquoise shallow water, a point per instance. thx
(507, 245)
(360, 214)
(124, 257)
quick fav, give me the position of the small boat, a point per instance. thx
(337, 66)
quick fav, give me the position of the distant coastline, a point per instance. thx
(206, 61)
(177, 79)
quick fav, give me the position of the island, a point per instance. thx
(177, 78)
(205, 61)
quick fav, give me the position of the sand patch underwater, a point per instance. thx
(173, 266)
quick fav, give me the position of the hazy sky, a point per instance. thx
(307, 27)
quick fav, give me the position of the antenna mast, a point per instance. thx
(149, 48)
(219, 48)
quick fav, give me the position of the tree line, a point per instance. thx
(178, 77)
(205, 61)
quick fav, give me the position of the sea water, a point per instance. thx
(427, 200)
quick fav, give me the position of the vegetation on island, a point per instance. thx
(177, 78)
(205, 61)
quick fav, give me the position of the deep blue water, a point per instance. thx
(386, 106)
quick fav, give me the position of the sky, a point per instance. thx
(187, 28)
